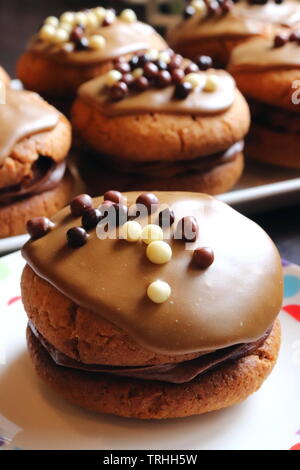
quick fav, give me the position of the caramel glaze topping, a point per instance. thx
(262, 53)
(162, 100)
(120, 39)
(233, 301)
(23, 116)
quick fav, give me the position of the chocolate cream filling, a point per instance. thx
(169, 169)
(177, 373)
(275, 118)
(45, 175)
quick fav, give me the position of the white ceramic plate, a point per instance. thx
(12, 243)
(32, 417)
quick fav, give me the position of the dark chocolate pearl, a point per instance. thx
(90, 218)
(143, 59)
(107, 21)
(163, 79)
(123, 67)
(113, 196)
(161, 64)
(203, 257)
(278, 2)
(128, 78)
(76, 237)
(175, 62)
(295, 36)
(39, 226)
(76, 34)
(149, 200)
(191, 68)
(141, 83)
(182, 90)
(177, 75)
(189, 12)
(204, 62)
(150, 70)
(187, 229)
(214, 8)
(279, 40)
(82, 44)
(119, 60)
(134, 62)
(166, 218)
(80, 204)
(226, 6)
(118, 91)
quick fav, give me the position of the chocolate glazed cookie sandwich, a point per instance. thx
(34, 141)
(72, 49)
(168, 124)
(267, 71)
(215, 27)
(169, 314)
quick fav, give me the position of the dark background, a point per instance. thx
(19, 19)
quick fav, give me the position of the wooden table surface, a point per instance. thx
(19, 19)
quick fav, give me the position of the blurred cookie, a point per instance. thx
(35, 139)
(174, 126)
(78, 46)
(267, 72)
(216, 27)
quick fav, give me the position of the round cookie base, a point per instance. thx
(217, 180)
(51, 78)
(276, 148)
(13, 217)
(224, 386)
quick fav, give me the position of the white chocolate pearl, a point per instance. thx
(92, 19)
(100, 12)
(159, 252)
(47, 32)
(67, 17)
(128, 15)
(112, 77)
(212, 83)
(153, 54)
(81, 18)
(194, 79)
(199, 5)
(97, 42)
(152, 233)
(60, 36)
(66, 26)
(110, 15)
(131, 231)
(164, 57)
(159, 291)
(137, 73)
(51, 20)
